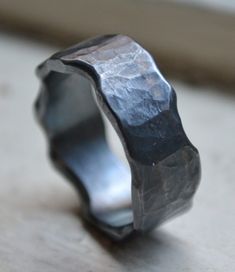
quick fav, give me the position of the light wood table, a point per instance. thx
(40, 226)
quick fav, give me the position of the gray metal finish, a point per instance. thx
(141, 105)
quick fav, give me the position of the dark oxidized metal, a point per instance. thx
(141, 105)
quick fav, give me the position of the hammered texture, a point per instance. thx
(141, 105)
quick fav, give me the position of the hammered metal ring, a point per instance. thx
(164, 167)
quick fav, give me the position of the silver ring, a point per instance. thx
(164, 167)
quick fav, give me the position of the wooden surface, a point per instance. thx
(40, 227)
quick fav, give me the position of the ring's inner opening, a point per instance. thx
(79, 143)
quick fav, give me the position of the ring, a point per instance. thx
(115, 75)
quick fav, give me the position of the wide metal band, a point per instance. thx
(164, 166)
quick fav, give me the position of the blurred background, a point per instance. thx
(193, 39)
(193, 42)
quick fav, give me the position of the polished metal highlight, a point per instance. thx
(164, 167)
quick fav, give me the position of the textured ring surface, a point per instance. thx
(141, 105)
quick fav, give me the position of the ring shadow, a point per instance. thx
(154, 251)
(158, 250)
